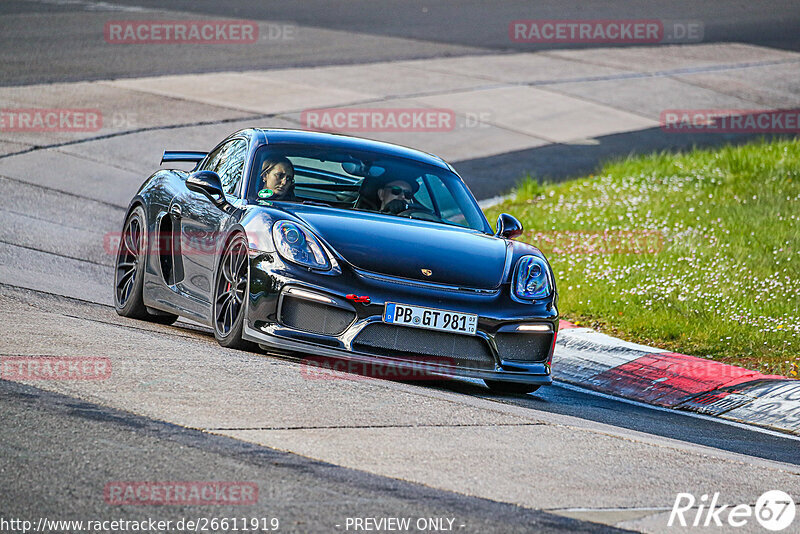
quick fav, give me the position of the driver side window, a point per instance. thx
(228, 162)
(210, 163)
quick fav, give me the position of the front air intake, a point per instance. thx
(520, 347)
(415, 344)
(314, 317)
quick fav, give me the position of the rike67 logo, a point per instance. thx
(774, 510)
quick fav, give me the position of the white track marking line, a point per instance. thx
(696, 415)
(92, 5)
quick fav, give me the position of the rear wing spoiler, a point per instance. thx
(183, 155)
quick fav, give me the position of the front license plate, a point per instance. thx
(430, 318)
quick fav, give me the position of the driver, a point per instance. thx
(396, 196)
(277, 177)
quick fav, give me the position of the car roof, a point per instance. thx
(338, 141)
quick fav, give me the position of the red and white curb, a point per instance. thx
(592, 360)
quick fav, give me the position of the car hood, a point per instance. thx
(403, 247)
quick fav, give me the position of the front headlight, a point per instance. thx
(532, 278)
(298, 245)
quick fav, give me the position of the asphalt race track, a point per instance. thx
(58, 47)
(178, 407)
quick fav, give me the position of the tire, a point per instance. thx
(510, 388)
(230, 291)
(129, 271)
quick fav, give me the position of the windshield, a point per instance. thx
(362, 181)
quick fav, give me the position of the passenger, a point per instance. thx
(277, 178)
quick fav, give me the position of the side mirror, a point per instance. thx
(508, 226)
(208, 184)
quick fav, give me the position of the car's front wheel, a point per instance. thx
(129, 271)
(510, 388)
(230, 292)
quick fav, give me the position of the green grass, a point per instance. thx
(700, 255)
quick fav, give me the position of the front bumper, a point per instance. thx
(272, 280)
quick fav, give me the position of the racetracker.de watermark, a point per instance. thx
(730, 120)
(618, 31)
(595, 242)
(50, 120)
(54, 368)
(181, 32)
(379, 119)
(326, 368)
(144, 493)
(189, 243)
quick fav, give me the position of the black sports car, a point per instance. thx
(338, 247)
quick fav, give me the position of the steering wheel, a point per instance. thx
(420, 213)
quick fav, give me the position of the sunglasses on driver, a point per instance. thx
(396, 190)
